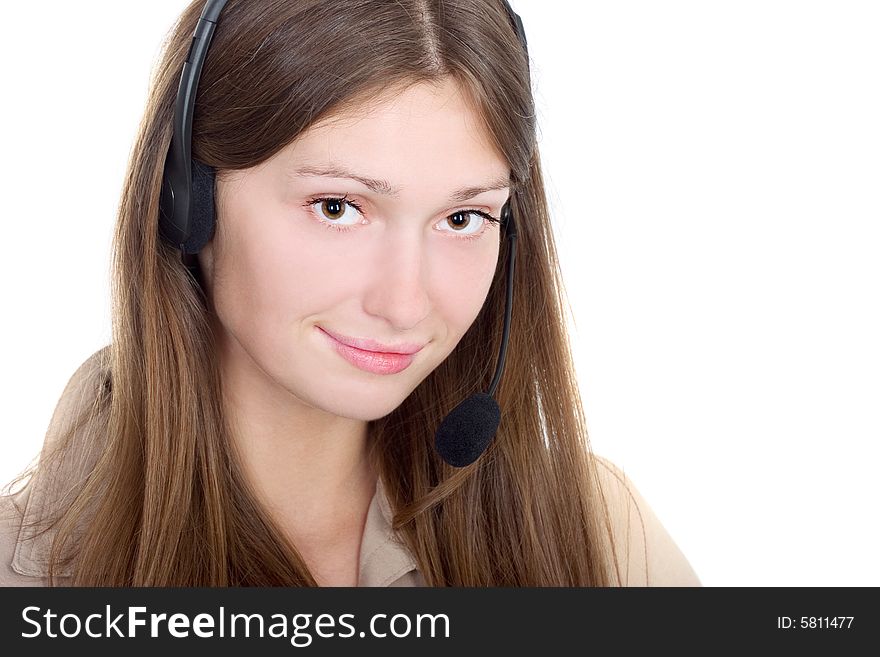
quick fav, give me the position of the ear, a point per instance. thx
(206, 263)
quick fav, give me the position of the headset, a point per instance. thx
(187, 220)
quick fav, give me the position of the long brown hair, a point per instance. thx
(166, 501)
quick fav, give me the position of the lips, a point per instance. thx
(366, 344)
(370, 361)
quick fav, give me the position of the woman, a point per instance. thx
(254, 421)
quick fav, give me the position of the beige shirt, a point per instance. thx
(650, 556)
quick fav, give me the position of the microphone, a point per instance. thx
(465, 433)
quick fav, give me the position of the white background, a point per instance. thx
(713, 171)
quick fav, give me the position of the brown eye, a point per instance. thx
(463, 223)
(333, 208)
(460, 220)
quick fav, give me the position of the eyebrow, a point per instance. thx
(385, 188)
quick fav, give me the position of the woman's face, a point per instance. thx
(405, 259)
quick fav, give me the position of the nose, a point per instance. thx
(397, 291)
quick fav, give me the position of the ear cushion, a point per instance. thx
(201, 207)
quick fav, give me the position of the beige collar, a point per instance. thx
(383, 558)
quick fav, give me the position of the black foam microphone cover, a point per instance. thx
(467, 431)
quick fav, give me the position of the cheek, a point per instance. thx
(461, 289)
(268, 280)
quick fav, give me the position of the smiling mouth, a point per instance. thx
(372, 346)
(370, 361)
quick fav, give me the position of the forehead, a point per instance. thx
(423, 124)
